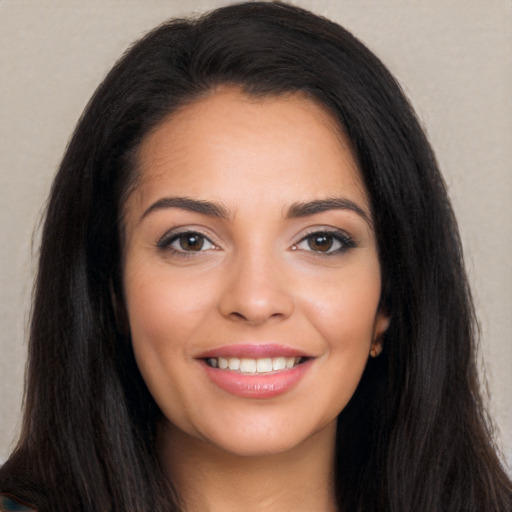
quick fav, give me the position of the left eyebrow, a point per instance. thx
(192, 205)
(322, 205)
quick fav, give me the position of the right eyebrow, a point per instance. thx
(187, 203)
(332, 203)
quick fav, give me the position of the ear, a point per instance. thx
(380, 326)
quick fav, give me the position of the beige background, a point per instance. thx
(453, 58)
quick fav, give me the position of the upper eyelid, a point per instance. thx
(170, 236)
(346, 240)
(175, 232)
(180, 230)
(323, 229)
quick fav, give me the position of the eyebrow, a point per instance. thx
(193, 205)
(297, 210)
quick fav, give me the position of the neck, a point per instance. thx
(211, 479)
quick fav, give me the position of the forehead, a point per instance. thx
(234, 147)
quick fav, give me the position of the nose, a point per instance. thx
(256, 291)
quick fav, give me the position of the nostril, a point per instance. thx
(255, 318)
(238, 315)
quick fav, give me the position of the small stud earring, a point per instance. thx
(374, 351)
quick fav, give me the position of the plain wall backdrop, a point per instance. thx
(452, 57)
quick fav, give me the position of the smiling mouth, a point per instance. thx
(252, 366)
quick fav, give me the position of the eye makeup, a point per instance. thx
(185, 242)
(325, 242)
(320, 241)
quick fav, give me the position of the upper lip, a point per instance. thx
(252, 350)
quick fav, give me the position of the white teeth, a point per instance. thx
(247, 365)
(234, 363)
(279, 363)
(264, 365)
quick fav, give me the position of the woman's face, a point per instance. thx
(251, 274)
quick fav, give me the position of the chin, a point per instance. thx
(267, 441)
(256, 447)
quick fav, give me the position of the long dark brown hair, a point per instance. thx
(414, 436)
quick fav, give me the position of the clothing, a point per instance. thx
(10, 504)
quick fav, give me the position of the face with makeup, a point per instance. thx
(251, 275)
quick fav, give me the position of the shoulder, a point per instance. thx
(10, 503)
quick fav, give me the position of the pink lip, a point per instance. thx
(257, 386)
(254, 351)
(267, 385)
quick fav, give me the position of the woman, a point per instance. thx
(250, 291)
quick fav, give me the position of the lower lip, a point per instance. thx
(257, 385)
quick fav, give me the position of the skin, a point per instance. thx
(257, 278)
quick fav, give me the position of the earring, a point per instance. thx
(375, 351)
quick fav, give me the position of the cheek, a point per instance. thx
(344, 312)
(343, 309)
(163, 312)
(162, 305)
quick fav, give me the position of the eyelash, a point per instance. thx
(337, 238)
(167, 241)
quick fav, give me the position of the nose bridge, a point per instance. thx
(257, 289)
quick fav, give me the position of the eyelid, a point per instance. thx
(164, 242)
(347, 241)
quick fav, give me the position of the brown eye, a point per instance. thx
(326, 242)
(186, 242)
(191, 241)
(321, 242)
